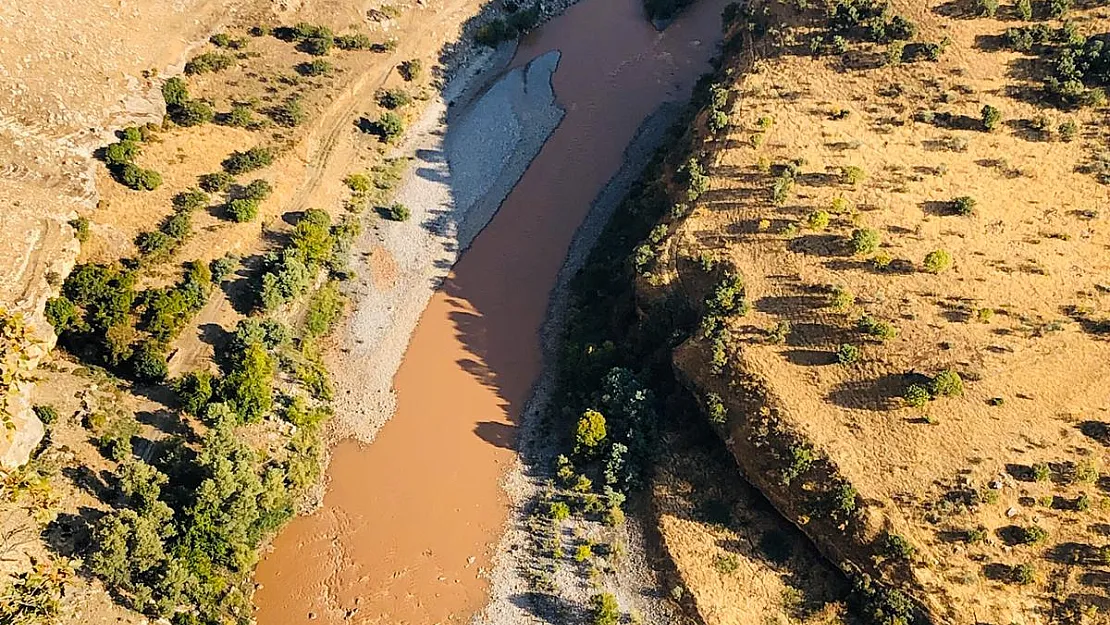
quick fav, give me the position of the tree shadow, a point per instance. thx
(823, 245)
(879, 394)
(497, 434)
(69, 535)
(1098, 431)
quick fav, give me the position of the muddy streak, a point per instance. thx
(410, 521)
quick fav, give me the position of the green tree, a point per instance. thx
(175, 92)
(148, 363)
(195, 389)
(248, 387)
(590, 431)
(991, 117)
(604, 609)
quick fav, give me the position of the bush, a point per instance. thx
(558, 511)
(194, 390)
(240, 116)
(715, 408)
(1024, 9)
(315, 67)
(590, 432)
(897, 547)
(252, 159)
(209, 62)
(397, 212)
(1031, 535)
(242, 210)
(604, 609)
(148, 363)
(121, 153)
(963, 205)
(224, 40)
(248, 386)
(525, 20)
(178, 225)
(393, 98)
(289, 113)
(411, 69)
(46, 414)
(876, 328)
(139, 179)
(1069, 130)
(191, 199)
(353, 41)
(317, 46)
(192, 113)
(358, 183)
(61, 313)
(817, 220)
(991, 117)
(1023, 574)
(947, 383)
(495, 32)
(916, 396)
(987, 8)
(845, 500)
(847, 354)
(174, 92)
(864, 240)
(217, 182)
(80, 227)
(852, 175)
(222, 267)
(937, 261)
(257, 190)
(324, 309)
(1058, 8)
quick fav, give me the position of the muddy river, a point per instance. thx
(409, 521)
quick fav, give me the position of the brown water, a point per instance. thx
(409, 520)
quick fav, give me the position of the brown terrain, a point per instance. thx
(948, 494)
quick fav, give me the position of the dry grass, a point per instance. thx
(1032, 253)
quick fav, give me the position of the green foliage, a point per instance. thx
(192, 113)
(845, 501)
(394, 98)
(121, 153)
(222, 267)
(558, 511)
(780, 190)
(216, 182)
(240, 116)
(397, 212)
(1041, 472)
(726, 564)
(248, 386)
(175, 92)
(34, 597)
(114, 439)
(991, 117)
(389, 127)
(317, 46)
(359, 183)
(324, 309)
(937, 261)
(715, 408)
(190, 200)
(290, 113)
(80, 227)
(693, 177)
(155, 246)
(1068, 130)
(916, 396)
(897, 547)
(1031, 535)
(590, 432)
(817, 220)
(148, 362)
(876, 328)
(411, 70)
(494, 32)
(257, 190)
(986, 8)
(250, 160)
(852, 175)
(847, 354)
(1024, 9)
(963, 205)
(194, 390)
(209, 62)
(315, 67)
(224, 40)
(134, 177)
(947, 383)
(604, 609)
(864, 241)
(47, 414)
(800, 460)
(353, 41)
(242, 209)
(61, 313)
(104, 295)
(1023, 574)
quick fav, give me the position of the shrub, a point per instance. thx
(353, 41)
(817, 220)
(801, 460)
(876, 328)
(897, 547)
(525, 20)
(1058, 8)
(845, 500)
(289, 113)
(397, 212)
(494, 32)
(987, 8)
(209, 62)
(242, 209)
(174, 92)
(394, 98)
(194, 391)
(46, 414)
(937, 261)
(1085, 472)
(852, 175)
(1023, 574)
(780, 190)
(389, 127)
(178, 225)
(947, 383)
(216, 182)
(223, 267)
(257, 190)
(190, 200)
(1024, 9)
(148, 363)
(192, 113)
(80, 227)
(62, 314)
(1069, 130)
(558, 511)
(715, 409)
(604, 609)
(248, 386)
(324, 309)
(590, 431)
(315, 67)
(842, 299)
(864, 240)
(963, 205)
(139, 179)
(224, 40)
(1031, 535)
(121, 153)
(916, 396)
(1041, 472)
(847, 354)
(240, 116)
(717, 122)
(991, 117)
(358, 183)
(242, 162)
(411, 69)
(726, 564)
(317, 46)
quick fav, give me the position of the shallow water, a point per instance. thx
(409, 520)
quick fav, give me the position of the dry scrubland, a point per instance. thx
(902, 300)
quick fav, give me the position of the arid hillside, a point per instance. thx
(894, 235)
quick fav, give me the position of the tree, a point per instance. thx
(389, 127)
(148, 363)
(139, 179)
(248, 387)
(353, 41)
(62, 314)
(411, 69)
(121, 153)
(394, 98)
(190, 199)
(242, 162)
(590, 431)
(864, 240)
(324, 309)
(216, 182)
(991, 117)
(195, 390)
(317, 46)
(242, 209)
(192, 113)
(316, 67)
(937, 261)
(258, 190)
(604, 609)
